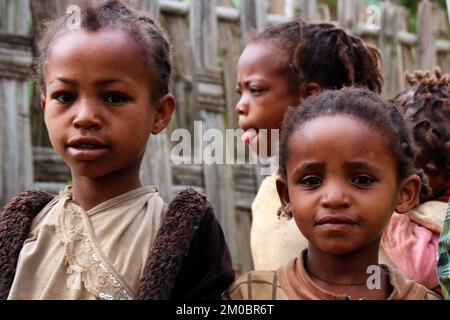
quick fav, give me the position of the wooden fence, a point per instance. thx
(207, 37)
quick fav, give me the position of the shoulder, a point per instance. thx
(189, 249)
(267, 199)
(256, 285)
(407, 289)
(27, 203)
(15, 222)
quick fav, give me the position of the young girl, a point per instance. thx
(346, 163)
(105, 89)
(410, 240)
(280, 68)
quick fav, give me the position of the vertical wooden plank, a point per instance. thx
(388, 48)
(185, 76)
(16, 159)
(253, 18)
(230, 50)
(348, 15)
(204, 35)
(219, 184)
(426, 28)
(405, 57)
(306, 9)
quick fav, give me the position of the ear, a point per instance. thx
(43, 103)
(409, 194)
(164, 109)
(311, 88)
(283, 193)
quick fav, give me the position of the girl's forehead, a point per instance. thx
(97, 54)
(261, 56)
(338, 135)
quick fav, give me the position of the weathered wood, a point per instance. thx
(348, 15)
(16, 159)
(243, 258)
(15, 56)
(41, 11)
(49, 167)
(307, 8)
(230, 50)
(204, 34)
(427, 28)
(389, 49)
(217, 177)
(253, 18)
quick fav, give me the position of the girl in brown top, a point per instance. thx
(346, 163)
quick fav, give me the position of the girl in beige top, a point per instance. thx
(105, 90)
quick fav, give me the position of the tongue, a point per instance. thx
(249, 135)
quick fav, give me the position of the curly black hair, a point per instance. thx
(426, 104)
(112, 15)
(326, 54)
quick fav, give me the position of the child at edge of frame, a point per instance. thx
(104, 90)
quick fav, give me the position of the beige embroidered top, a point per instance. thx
(71, 253)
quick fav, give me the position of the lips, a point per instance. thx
(338, 220)
(87, 148)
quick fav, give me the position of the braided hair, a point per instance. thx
(112, 15)
(325, 54)
(426, 104)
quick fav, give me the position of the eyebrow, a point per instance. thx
(361, 165)
(310, 166)
(348, 166)
(101, 82)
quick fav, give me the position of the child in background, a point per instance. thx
(346, 163)
(410, 240)
(105, 90)
(280, 68)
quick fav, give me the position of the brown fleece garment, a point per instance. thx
(15, 223)
(171, 245)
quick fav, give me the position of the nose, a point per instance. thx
(242, 106)
(335, 196)
(87, 115)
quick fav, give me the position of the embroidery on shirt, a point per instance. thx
(84, 265)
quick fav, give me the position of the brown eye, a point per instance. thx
(64, 97)
(256, 91)
(116, 98)
(311, 182)
(363, 181)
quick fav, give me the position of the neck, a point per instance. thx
(90, 192)
(346, 273)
